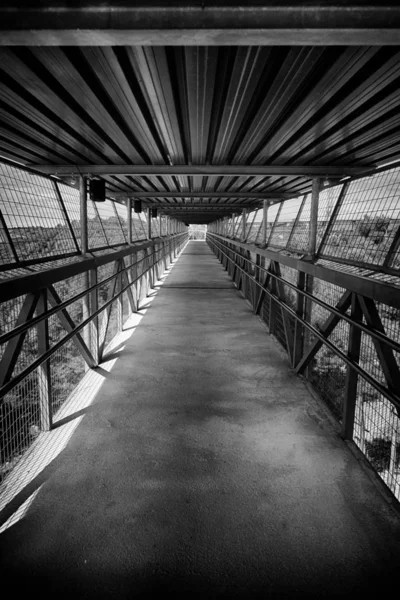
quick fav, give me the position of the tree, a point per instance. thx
(373, 227)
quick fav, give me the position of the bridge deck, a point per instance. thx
(204, 469)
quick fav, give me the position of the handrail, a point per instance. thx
(377, 290)
(386, 392)
(365, 328)
(32, 282)
(35, 320)
(7, 387)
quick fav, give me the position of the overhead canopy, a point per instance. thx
(215, 118)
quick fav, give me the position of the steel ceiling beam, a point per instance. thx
(115, 23)
(203, 170)
(205, 207)
(255, 196)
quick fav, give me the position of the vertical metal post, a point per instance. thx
(312, 242)
(244, 220)
(353, 352)
(395, 441)
(160, 226)
(129, 219)
(265, 223)
(272, 306)
(83, 215)
(120, 305)
(44, 373)
(149, 223)
(132, 271)
(93, 334)
(298, 343)
(84, 251)
(312, 248)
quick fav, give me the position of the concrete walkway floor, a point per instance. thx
(204, 470)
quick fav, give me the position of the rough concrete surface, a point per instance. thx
(204, 470)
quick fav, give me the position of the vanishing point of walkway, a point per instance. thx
(204, 470)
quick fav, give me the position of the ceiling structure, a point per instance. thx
(200, 108)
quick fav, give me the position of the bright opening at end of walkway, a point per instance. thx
(204, 469)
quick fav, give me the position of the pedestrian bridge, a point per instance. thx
(203, 466)
(199, 299)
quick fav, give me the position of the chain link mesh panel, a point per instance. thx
(284, 222)
(366, 221)
(33, 215)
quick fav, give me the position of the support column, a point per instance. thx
(120, 300)
(312, 248)
(149, 223)
(244, 221)
(353, 352)
(265, 223)
(129, 219)
(84, 250)
(83, 215)
(44, 374)
(132, 271)
(298, 344)
(94, 323)
(312, 244)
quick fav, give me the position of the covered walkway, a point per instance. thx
(204, 469)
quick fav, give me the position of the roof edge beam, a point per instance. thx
(198, 37)
(98, 24)
(242, 195)
(205, 170)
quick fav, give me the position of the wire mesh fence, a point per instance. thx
(40, 230)
(358, 223)
(20, 422)
(253, 225)
(33, 402)
(111, 224)
(284, 222)
(366, 220)
(71, 200)
(376, 433)
(34, 216)
(325, 346)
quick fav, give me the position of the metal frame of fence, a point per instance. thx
(323, 272)
(43, 314)
(357, 223)
(61, 309)
(351, 348)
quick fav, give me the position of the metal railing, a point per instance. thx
(340, 331)
(57, 324)
(357, 223)
(71, 272)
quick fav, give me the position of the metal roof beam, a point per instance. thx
(205, 208)
(203, 170)
(255, 196)
(117, 23)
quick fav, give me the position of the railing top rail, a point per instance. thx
(377, 290)
(32, 282)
